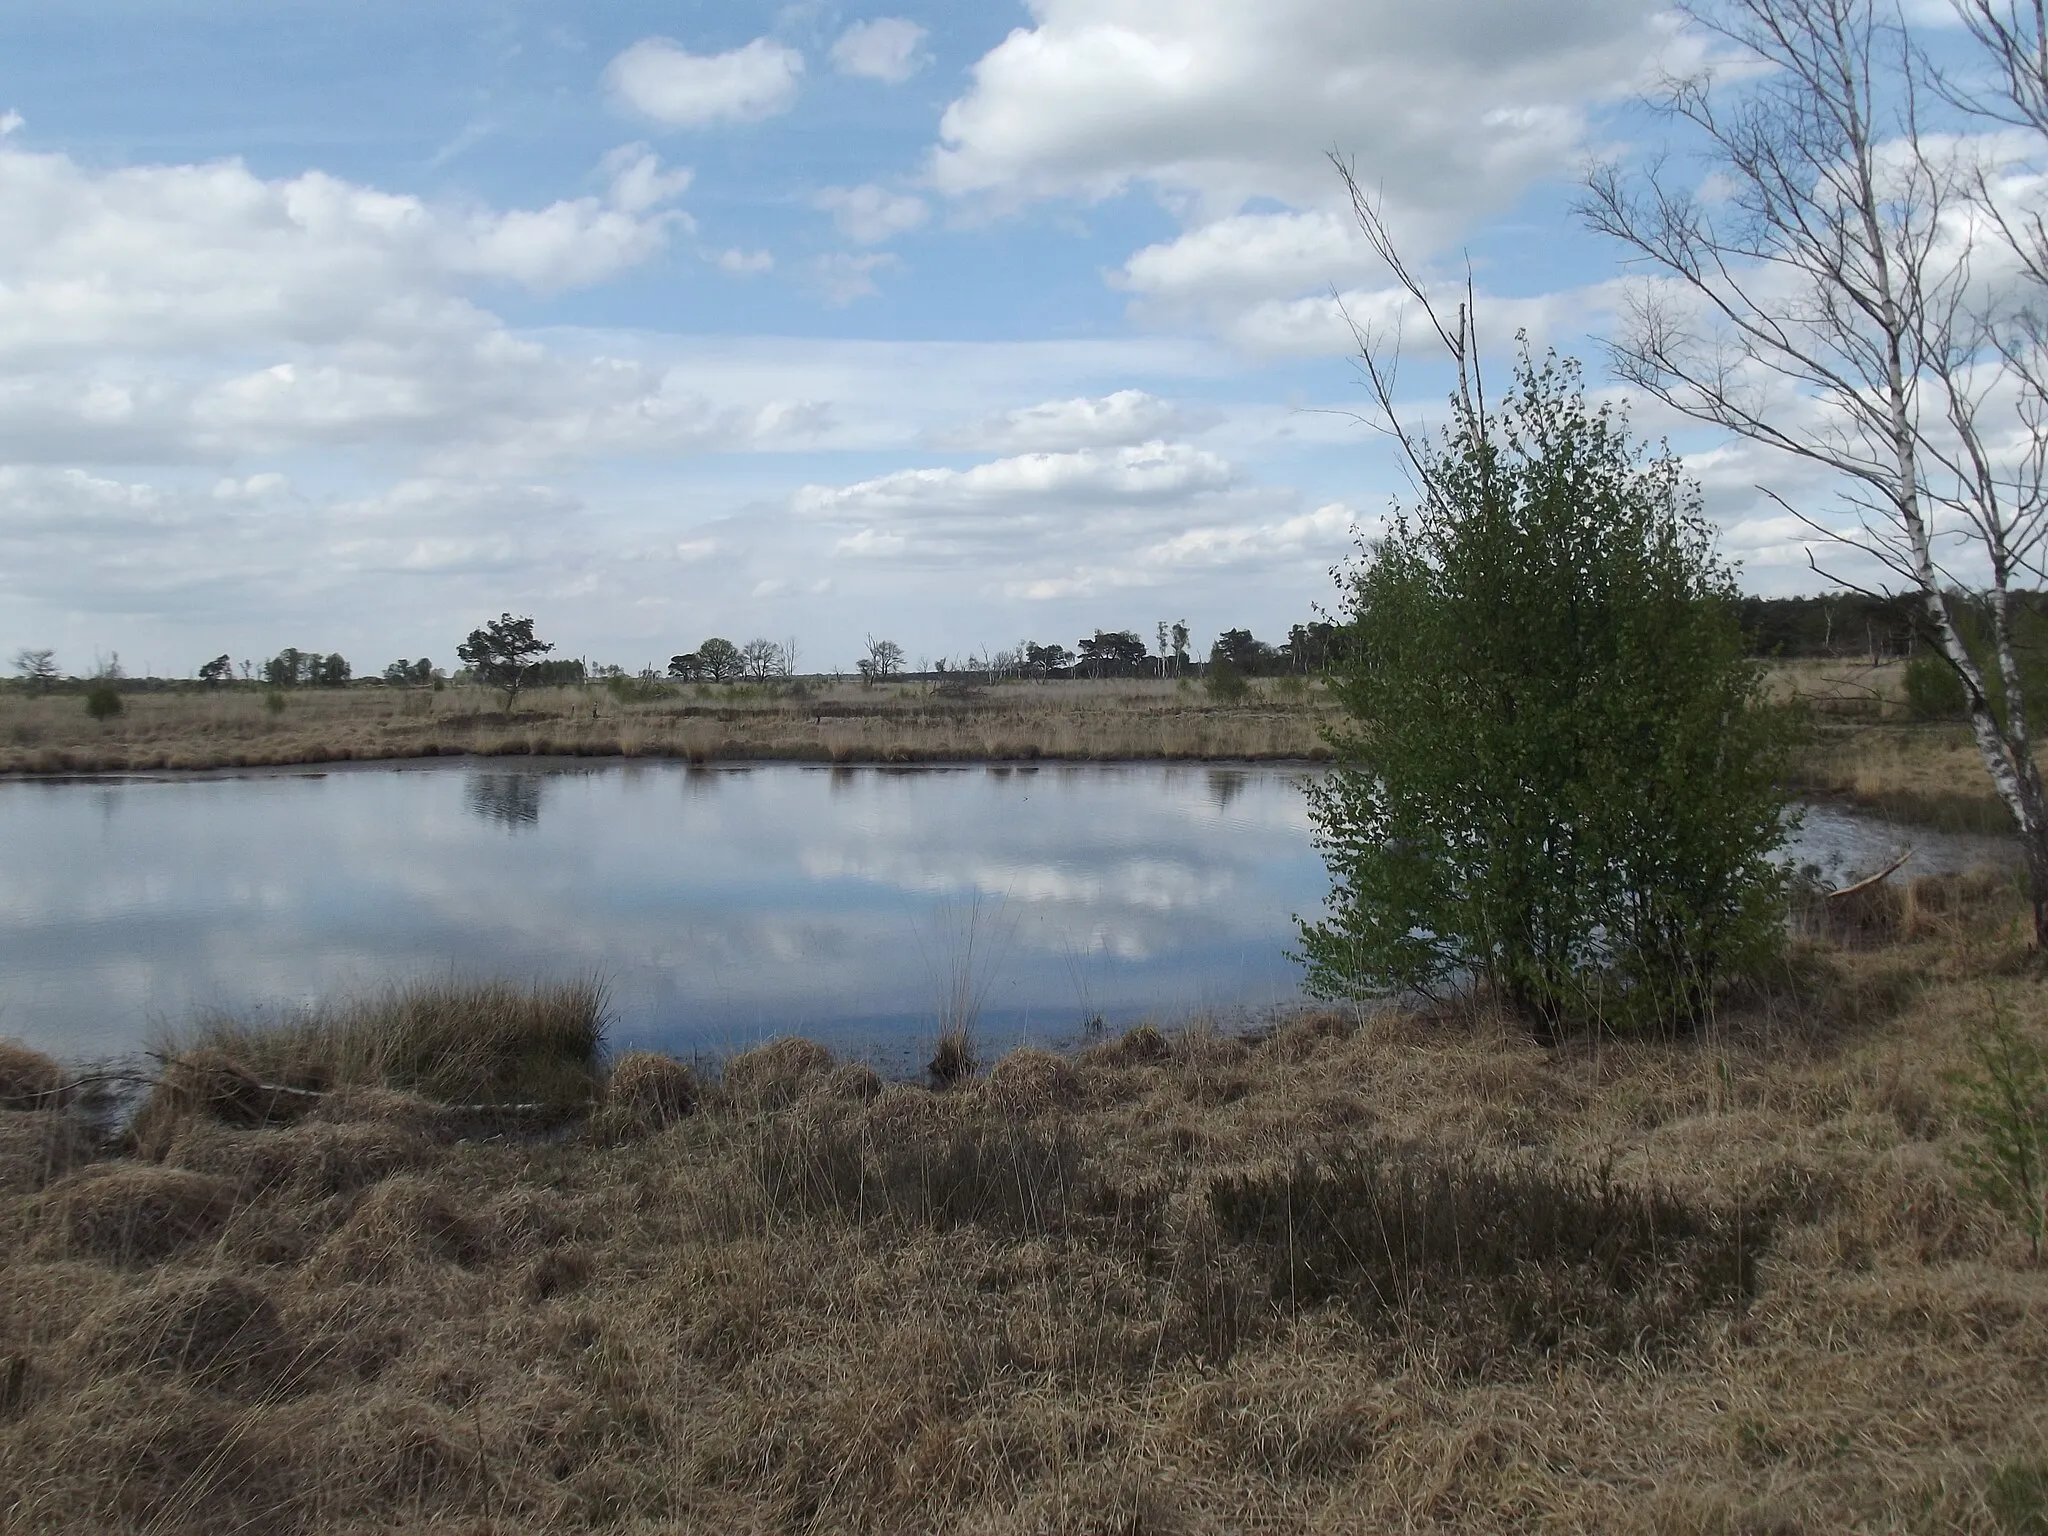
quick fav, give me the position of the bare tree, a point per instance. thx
(1835, 296)
(884, 659)
(38, 668)
(762, 659)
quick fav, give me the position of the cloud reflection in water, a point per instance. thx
(722, 905)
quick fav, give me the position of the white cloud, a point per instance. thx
(1127, 416)
(173, 313)
(843, 277)
(638, 182)
(1149, 471)
(253, 488)
(869, 215)
(1252, 254)
(1450, 113)
(11, 121)
(1446, 106)
(889, 48)
(664, 81)
(1234, 545)
(745, 263)
(154, 258)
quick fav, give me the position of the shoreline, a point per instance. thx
(911, 757)
(1937, 809)
(1864, 750)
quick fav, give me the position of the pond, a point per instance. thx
(720, 905)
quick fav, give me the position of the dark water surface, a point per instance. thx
(721, 905)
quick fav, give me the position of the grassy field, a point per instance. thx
(1397, 1271)
(823, 722)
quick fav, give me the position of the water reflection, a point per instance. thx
(1225, 785)
(510, 799)
(721, 904)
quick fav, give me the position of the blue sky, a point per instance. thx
(347, 327)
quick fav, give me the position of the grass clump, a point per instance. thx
(31, 1080)
(651, 1088)
(481, 1046)
(39, 1146)
(774, 1074)
(129, 1214)
(954, 1059)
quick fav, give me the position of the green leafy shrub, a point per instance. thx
(103, 700)
(637, 690)
(1226, 682)
(1560, 773)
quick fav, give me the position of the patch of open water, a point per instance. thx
(720, 904)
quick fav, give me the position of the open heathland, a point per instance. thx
(822, 722)
(430, 1262)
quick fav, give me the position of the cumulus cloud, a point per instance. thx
(1252, 254)
(167, 313)
(869, 215)
(1038, 528)
(1127, 416)
(1450, 112)
(842, 277)
(745, 263)
(152, 258)
(664, 81)
(889, 49)
(1223, 103)
(638, 181)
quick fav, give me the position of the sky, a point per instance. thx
(349, 327)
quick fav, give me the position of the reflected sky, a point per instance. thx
(720, 904)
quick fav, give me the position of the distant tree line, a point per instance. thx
(1843, 624)
(1859, 624)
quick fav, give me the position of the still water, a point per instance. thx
(720, 905)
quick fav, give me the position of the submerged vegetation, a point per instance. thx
(1394, 1269)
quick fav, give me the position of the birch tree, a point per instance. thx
(1839, 288)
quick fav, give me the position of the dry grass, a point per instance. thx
(30, 1080)
(1397, 1271)
(1867, 749)
(491, 1048)
(1929, 774)
(822, 723)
